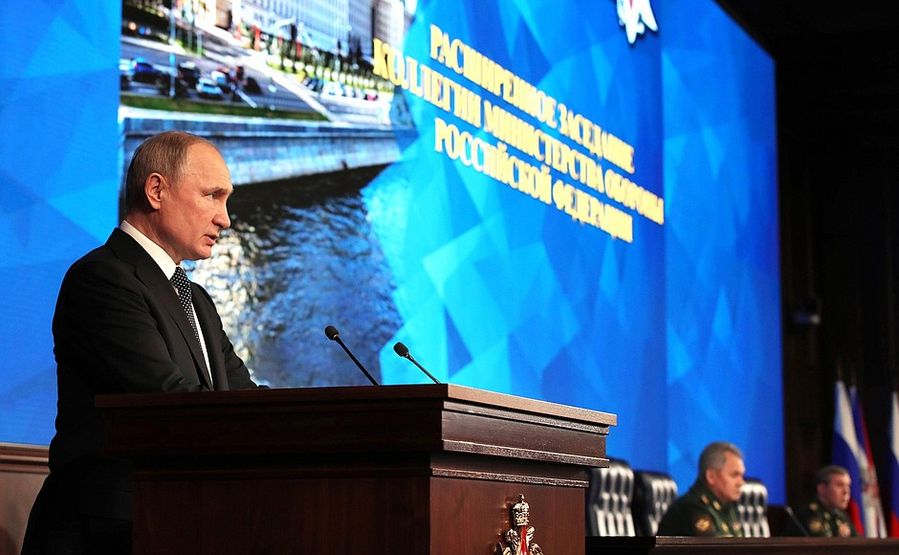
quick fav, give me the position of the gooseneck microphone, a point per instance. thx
(403, 351)
(334, 335)
(796, 522)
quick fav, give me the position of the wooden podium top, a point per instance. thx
(348, 422)
(366, 393)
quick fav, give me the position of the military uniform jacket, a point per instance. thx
(700, 513)
(820, 521)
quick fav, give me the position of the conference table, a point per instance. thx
(713, 546)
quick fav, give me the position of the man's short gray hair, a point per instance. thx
(164, 154)
(824, 475)
(713, 456)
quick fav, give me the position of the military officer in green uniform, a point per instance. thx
(826, 515)
(709, 508)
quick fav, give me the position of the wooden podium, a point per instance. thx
(364, 470)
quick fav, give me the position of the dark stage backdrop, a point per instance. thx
(566, 201)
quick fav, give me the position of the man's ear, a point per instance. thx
(153, 189)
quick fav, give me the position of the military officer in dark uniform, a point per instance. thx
(709, 508)
(826, 516)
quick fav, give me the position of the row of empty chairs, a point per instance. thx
(622, 502)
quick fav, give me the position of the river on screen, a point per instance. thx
(300, 255)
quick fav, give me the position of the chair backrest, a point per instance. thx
(654, 492)
(609, 500)
(753, 509)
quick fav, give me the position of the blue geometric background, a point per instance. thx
(722, 277)
(678, 333)
(502, 291)
(60, 171)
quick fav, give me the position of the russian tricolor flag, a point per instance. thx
(848, 453)
(894, 467)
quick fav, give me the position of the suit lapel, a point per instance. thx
(209, 322)
(151, 275)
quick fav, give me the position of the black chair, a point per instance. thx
(753, 509)
(654, 492)
(609, 500)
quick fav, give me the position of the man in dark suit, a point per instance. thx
(128, 320)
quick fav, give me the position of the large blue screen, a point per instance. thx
(568, 201)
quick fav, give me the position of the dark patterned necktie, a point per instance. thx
(179, 280)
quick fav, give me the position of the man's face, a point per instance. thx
(835, 493)
(192, 212)
(727, 481)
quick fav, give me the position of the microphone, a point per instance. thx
(792, 515)
(403, 351)
(334, 335)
